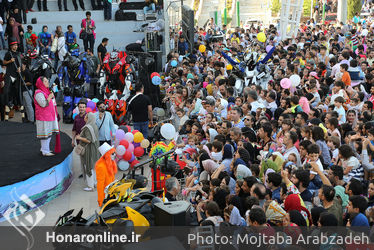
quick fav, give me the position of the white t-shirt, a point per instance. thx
(341, 112)
(1, 26)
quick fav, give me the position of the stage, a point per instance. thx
(27, 178)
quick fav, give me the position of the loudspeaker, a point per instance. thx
(33, 20)
(171, 213)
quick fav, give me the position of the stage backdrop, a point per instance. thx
(36, 191)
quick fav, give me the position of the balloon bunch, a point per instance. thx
(90, 107)
(156, 79)
(129, 145)
(291, 83)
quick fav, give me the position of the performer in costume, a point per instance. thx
(106, 168)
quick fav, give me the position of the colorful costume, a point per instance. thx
(106, 168)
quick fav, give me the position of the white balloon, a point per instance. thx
(129, 137)
(120, 150)
(295, 80)
(123, 165)
(168, 131)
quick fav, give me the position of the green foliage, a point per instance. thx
(306, 8)
(275, 6)
(354, 6)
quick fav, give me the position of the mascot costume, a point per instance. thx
(106, 168)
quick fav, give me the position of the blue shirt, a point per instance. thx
(69, 37)
(45, 38)
(106, 128)
(275, 195)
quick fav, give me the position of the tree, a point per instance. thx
(275, 6)
(306, 8)
(354, 6)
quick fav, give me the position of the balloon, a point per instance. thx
(75, 110)
(124, 128)
(156, 80)
(229, 67)
(145, 143)
(168, 131)
(180, 58)
(138, 137)
(261, 37)
(135, 131)
(91, 105)
(120, 134)
(132, 158)
(268, 48)
(205, 84)
(202, 48)
(120, 150)
(295, 80)
(74, 115)
(128, 128)
(173, 63)
(138, 151)
(285, 83)
(133, 163)
(123, 165)
(129, 137)
(130, 148)
(95, 100)
(127, 156)
(88, 110)
(160, 112)
(154, 74)
(124, 143)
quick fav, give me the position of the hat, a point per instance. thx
(12, 41)
(103, 149)
(314, 74)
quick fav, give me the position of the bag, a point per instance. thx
(54, 45)
(83, 35)
(132, 5)
(126, 119)
(125, 16)
(80, 150)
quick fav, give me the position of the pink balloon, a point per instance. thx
(285, 83)
(120, 150)
(268, 48)
(130, 148)
(120, 134)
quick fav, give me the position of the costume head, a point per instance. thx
(106, 151)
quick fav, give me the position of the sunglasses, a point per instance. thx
(248, 119)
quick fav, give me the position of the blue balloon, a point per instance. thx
(173, 63)
(156, 80)
(74, 115)
(180, 58)
(123, 165)
(95, 100)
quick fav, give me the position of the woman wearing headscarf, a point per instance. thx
(294, 202)
(89, 139)
(15, 30)
(209, 167)
(45, 115)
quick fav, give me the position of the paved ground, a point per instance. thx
(74, 197)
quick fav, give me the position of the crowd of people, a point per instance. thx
(282, 155)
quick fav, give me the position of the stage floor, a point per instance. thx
(20, 156)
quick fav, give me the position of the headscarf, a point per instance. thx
(210, 166)
(228, 152)
(340, 191)
(40, 85)
(275, 213)
(15, 30)
(294, 202)
(232, 185)
(242, 171)
(212, 134)
(235, 218)
(91, 126)
(268, 171)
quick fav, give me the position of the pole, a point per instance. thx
(225, 13)
(167, 29)
(311, 9)
(323, 11)
(237, 13)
